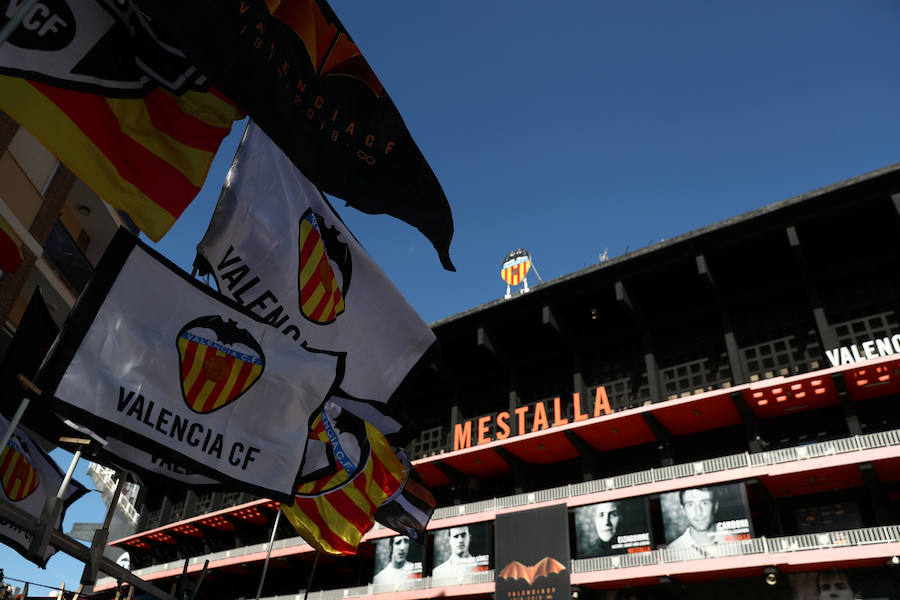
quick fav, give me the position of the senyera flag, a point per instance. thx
(124, 110)
(294, 68)
(28, 477)
(162, 363)
(349, 471)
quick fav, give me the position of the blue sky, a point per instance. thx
(588, 126)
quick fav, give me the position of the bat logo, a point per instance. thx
(543, 568)
(321, 295)
(337, 449)
(19, 477)
(330, 51)
(219, 362)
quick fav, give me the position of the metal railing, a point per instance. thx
(722, 463)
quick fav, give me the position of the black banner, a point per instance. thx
(532, 555)
(615, 527)
(299, 75)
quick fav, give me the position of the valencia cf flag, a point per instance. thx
(123, 109)
(276, 246)
(294, 68)
(163, 365)
(349, 471)
(29, 477)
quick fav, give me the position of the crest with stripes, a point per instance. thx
(219, 361)
(515, 267)
(321, 294)
(20, 478)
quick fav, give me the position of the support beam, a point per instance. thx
(827, 337)
(654, 379)
(590, 466)
(458, 479)
(755, 442)
(663, 437)
(489, 343)
(853, 426)
(518, 466)
(735, 360)
(773, 516)
(877, 494)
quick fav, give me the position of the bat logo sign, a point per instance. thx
(543, 568)
(19, 477)
(322, 293)
(219, 362)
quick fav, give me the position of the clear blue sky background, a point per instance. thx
(579, 127)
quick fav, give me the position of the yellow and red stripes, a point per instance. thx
(147, 156)
(321, 300)
(18, 476)
(515, 273)
(335, 521)
(210, 376)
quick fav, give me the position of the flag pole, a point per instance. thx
(311, 573)
(262, 577)
(16, 19)
(101, 535)
(14, 422)
(50, 512)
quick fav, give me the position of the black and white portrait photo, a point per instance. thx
(462, 550)
(397, 559)
(614, 527)
(705, 516)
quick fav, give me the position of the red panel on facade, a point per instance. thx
(873, 381)
(548, 448)
(431, 475)
(698, 413)
(615, 431)
(887, 470)
(478, 463)
(779, 396)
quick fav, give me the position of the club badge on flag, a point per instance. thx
(19, 477)
(29, 477)
(219, 362)
(160, 362)
(321, 298)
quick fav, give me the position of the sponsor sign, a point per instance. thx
(532, 554)
(615, 527)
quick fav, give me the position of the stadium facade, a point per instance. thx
(715, 415)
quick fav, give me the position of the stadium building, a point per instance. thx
(715, 415)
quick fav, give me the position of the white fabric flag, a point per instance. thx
(160, 362)
(29, 477)
(275, 246)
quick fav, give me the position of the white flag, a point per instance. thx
(159, 361)
(29, 477)
(275, 246)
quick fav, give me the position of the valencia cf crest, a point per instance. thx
(337, 448)
(322, 289)
(219, 362)
(19, 476)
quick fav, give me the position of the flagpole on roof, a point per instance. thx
(262, 577)
(16, 19)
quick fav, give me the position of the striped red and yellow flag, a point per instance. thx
(146, 156)
(321, 300)
(213, 375)
(334, 522)
(18, 476)
(10, 255)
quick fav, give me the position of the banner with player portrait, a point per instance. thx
(461, 551)
(614, 527)
(704, 516)
(398, 560)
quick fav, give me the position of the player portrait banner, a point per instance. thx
(126, 112)
(706, 516)
(532, 554)
(461, 551)
(276, 246)
(398, 560)
(156, 360)
(614, 527)
(293, 67)
(28, 477)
